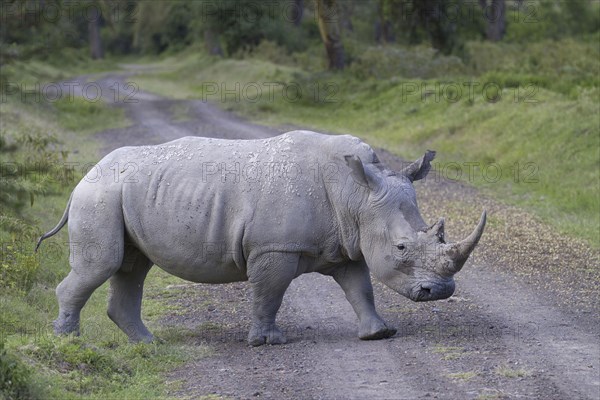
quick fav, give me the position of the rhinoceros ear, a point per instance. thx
(420, 168)
(360, 175)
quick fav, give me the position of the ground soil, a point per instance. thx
(523, 322)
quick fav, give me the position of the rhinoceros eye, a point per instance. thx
(401, 246)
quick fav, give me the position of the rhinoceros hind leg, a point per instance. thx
(96, 250)
(270, 275)
(355, 280)
(72, 293)
(125, 296)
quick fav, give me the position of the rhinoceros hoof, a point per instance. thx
(145, 339)
(375, 330)
(62, 327)
(260, 335)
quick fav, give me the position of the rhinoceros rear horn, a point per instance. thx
(437, 230)
(459, 252)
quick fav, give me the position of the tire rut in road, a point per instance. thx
(544, 338)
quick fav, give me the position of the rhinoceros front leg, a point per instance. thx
(356, 282)
(270, 275)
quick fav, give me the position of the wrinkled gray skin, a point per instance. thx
(266, 211)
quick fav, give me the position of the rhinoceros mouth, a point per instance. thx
(422, 294)
(429, 291)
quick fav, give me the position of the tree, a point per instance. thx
(495, 15)
(243, 24)
(95, 40)
(346, 11)
(211, 42)
(329, 26)
(297, 12)
(384, 32)
(431, 15)
(417, 21)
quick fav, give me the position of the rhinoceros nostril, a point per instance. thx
(426, 290)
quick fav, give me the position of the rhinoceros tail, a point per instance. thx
(58, 227)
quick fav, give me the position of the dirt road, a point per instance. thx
(523, 322)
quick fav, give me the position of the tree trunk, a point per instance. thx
(383, 27)
(211, 43)
(329, 27)
(297, 12)
(95, 40)
(431, 16)
(495, 15)
(346, 10)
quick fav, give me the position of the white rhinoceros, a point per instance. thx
(266, 211)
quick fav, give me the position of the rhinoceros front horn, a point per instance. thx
(459, 252)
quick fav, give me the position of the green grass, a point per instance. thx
(462, 376)
(82, 116)
(508, 372)
(93, 367)
(526, 139)
(449, 353)
(490, 395)
(30, 72)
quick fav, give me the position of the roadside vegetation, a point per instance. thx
(512, 110)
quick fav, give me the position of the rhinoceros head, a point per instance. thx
(401, 250)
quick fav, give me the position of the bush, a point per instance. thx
(566, 66)
(161, 26)
(18, 267)
(32, 166)
(243, 24)
(14, 377)
(550, 19)
(268, 51)
(417, 62)
(548, 57)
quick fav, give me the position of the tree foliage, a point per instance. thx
(243, 24)
(43, 28)
(31, 166)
